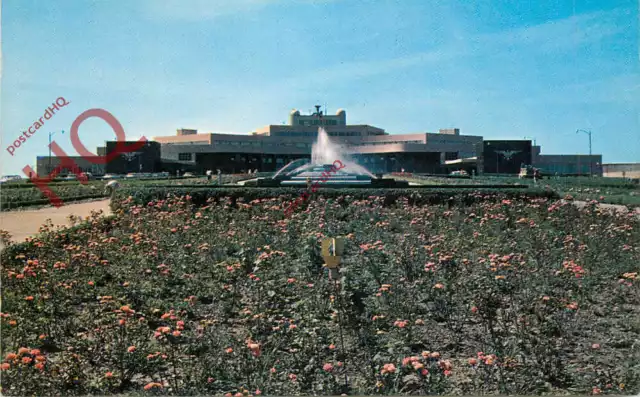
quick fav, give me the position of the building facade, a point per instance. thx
(271, 147)
(567, 164)
(621, 170)
(45, 165)
(145, 159)
(506, 157)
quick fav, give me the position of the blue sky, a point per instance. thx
(501, 69)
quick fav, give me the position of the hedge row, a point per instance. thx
(200, 195)
(8, 205)
(342, 188)
(172, 179)
(56, 182)
(30, 185)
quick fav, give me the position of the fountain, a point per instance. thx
(324, 154)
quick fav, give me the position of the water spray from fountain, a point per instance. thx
(326, 156)
(325, 152)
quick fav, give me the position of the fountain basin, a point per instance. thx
(330, 166)
(332, 182)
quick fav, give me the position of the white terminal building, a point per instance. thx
(271, 147)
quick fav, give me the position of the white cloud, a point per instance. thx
(553, 36)
(560, 33)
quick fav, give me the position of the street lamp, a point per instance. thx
(50, 135)
(588, 132)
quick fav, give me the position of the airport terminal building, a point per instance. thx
(271, 147)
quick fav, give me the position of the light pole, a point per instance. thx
(50, 135)
(588, 132)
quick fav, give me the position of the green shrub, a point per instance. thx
(201, 195)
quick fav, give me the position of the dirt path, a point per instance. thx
(24, 223)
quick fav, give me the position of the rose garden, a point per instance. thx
(195, 290)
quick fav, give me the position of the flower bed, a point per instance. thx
(224, 296)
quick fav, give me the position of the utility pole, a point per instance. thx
(588, 132)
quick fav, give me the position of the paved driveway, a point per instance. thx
(25, 223)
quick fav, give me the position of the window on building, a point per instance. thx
(184, 156)
(451, 156)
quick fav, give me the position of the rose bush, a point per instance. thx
(211, 294)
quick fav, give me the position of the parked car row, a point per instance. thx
(137, 175)
(10, 178)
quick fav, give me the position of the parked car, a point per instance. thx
(10, 178)
(461, 173)
(530, 172)
(111, 176)
(188, 175)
